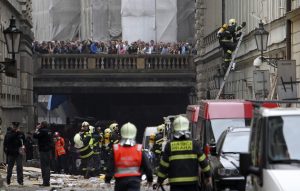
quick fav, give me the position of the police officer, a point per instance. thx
(181, 159)
(128, 161)
(228, 36)
(13, 141)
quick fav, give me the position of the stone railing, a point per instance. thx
(103, 62)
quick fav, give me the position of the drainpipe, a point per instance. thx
(288, 32)
(223, 12)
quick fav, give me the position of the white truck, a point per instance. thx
(273, 163)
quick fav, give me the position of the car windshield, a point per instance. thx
(219, 125)
(236, 142)
(284, 133)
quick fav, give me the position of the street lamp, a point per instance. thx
(12, 37)
(261, 38)
(193, 96)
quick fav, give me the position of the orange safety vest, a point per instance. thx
(128, 160)
(59, 147)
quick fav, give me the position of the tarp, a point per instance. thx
(159, 20)
(149, 20)
(55, 100)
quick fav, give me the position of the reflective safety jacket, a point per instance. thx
(128, 160)
(180, 162)
(87, 149)
(158, 141)
(60, 147)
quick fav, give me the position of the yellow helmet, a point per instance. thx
(181, 124)
(107, 131)
(128, 131)
(85, 124)
(114, 127)
(161, 128)
(232, 22)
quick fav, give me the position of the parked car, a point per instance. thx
(273, 160)
(224, 159)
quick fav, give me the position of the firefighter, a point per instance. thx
(228, 36)
(158, 141)
(115, 134)
(181, 159)
(86, 151)
(107, 147)
(128, 162)
(60, 153)
(96, 148)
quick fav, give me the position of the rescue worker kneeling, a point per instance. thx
(181, 159)
(127, 162)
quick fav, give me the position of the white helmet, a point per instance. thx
(128, 131)
(114, 127)
(91, 129)
(85, 123)
(78, 142)
(181, 124)
(232, 22)
(107, 131)
(161, 128)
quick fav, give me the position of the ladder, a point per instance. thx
(230, 66)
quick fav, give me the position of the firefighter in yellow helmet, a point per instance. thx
(115, 134)
(157, 146)
(181, 158)
(106, 147)
(228, 36)
(84, 139)
(128, 161)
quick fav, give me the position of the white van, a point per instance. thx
(148, 131)
(273, 163)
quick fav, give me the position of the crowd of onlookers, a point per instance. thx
(111, 47)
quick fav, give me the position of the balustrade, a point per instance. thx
(112, 62)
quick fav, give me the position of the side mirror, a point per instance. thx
(245, 163)
(246, 166)
(213, 149)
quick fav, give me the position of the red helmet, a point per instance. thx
(56, 134)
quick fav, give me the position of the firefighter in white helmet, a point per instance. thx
(128, 162)
(181, 158)
(115, 134)
(86, 151)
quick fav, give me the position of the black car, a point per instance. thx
(224, 159)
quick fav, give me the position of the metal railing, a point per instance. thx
(102, 62)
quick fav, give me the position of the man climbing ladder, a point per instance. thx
(229, 35)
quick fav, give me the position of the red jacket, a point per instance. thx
(128, 160)
(60, 147)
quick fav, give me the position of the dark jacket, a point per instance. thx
(180, 162)
(44, 137)
(12, 142)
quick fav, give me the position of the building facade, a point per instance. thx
(280, 18)
(16, 94)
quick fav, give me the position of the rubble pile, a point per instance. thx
(33, 180)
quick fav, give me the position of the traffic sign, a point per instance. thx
(287, 83)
